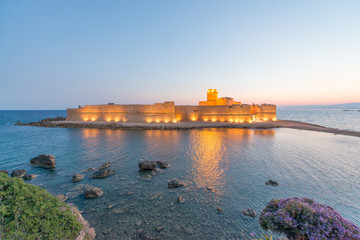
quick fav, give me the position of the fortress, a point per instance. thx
(215, 109)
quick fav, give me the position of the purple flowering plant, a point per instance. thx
(303, 218)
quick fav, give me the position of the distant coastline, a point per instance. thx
(190, 125)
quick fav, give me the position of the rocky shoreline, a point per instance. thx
(62, 123)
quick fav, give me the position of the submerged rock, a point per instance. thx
(102, 173)
(45, 161)
(181, 199)
(220, 210)
(77, 178)
(147, 165)
(249, 212)
(175, 183)
(88, 170)
(18, 173)
(93, 192)
(62, 197)
(105, 165)
(163, 164)
(155, 196)
(30, 176)
(271, 183)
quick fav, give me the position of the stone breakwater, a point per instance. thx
(190, 125)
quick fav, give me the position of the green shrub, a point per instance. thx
(30, 212)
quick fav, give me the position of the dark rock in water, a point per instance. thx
(181, 199)
(271, 183)
(18, 173)
(159, 228)
(220, 210)
(4, 171)
(147, 165)
(175, 183)
(107, 231)
(30, 176)
(102, 173)
(105, 165)
(209, 189)
(93, 192)
(45, 161)
(249, 212)
(163, 164)
(189, 230)
(77, 178)
(62, 197)
(156, 195)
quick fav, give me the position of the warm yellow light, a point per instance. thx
(108, 120)
(241, 121)
(166, 120)
(93, 119)
(214, 119)
(157, 120)
(231, 120)
(117, 119)
(174, 121)
(86, 119)
(265, 119)
(250, 121)
(274, 119)
(193, 118)
(205, 119)
(236, 120)
(149, 120)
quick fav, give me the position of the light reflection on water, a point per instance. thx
(234, 163)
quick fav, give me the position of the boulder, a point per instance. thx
(105, 165)
(93, 192)
(4, 171)
(45, 161)
(271, 183)
(249, 212)
(77, 178)
(163, 164)
(30, 176)
(102, 173)
(147, 165)
(220, 210)
(87, 232)
(175, 183)
(181, 199)
(18, 173)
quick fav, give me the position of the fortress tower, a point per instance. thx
(213, 100)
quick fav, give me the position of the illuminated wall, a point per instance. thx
(158, 112)
(226, 110)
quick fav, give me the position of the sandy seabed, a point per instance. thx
(193, 125)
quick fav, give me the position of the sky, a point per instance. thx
(61, 54)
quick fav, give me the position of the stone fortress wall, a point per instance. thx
(214, 109)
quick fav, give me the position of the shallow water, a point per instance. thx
(234, 163)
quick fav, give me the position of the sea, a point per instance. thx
(223, 169)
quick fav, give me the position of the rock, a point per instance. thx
(93, 192)
(175, 183)
(143, 236)
(87, 232)
(181, 199)
(188, 230)
(249, 212)
(163, 164)
(147, 165)
(138, 223)
(30, 176)
(159, 228)
(155, 196)
(18, 173)
(158, 170)
(271, 183)
(77, 178)
(220, 210)
(119, 210)
(45, 161)
(105, 165)
(62, 197)
(102, 173)
(107, 231)
(209, 189)
(177, 227)
(4, 171)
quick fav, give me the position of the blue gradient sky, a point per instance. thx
(59, 54)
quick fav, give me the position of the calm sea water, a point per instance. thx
(235, 163)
